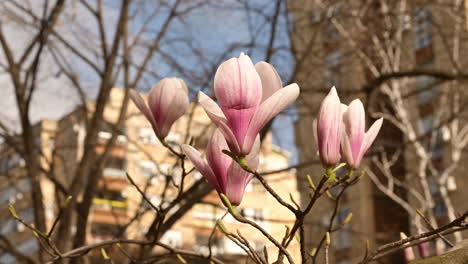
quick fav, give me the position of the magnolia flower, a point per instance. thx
(224, 174)
(249, 97)
(327, 129)
(356, 141)
(409, 252)
(167, 100)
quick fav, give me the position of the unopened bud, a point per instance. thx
(328, 238)
(348, 218)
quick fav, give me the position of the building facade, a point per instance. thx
(118, 209)
(353, 45)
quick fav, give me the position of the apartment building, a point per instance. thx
(118, 209)
(322, 33)
(15, 189)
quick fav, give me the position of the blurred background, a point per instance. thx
(67, 127)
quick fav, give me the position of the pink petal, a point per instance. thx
(217, 160)
(346, 150)
(201, 165)
(271, 81)
(141, 105)
(239, 120)
(238, 179)
(354, 120)
(168, 101)
(369, 138)
(216, 115)
(329, 126)
(267, 110)
(237, 84)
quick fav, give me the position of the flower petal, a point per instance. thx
(141, 105)
(217, 160)
(216, 115)
(168, 101)
(346, 150)
(237, 83)
(202, 166)
(271, 81)
(329, 127)
(267, 110)
(369, 138)
(238, 179)
(354, 120)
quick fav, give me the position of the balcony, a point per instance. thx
(113, 179)
(114, 173)
(117, 151)
(109, 211)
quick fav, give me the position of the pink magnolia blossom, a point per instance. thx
(249, 97)
(224, 174)
(327, 129)
(167, 100)
(356, 141)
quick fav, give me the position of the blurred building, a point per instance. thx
(118, 209)
(327, 59)
(15, 188)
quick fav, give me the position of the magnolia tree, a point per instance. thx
(249, 96)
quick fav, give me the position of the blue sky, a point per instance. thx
(209, 30)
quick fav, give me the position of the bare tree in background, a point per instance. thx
(98, 45)
(94, 46)
(405, 59)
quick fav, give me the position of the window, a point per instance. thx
(172, 238)
(422, 27)
(101, 231)
(27, 215)
(7, 258)
(110, 195)
(10, 162)
(205, 211)
(28, 247)
(154, 199)
(7, 195)
(439, 207)
(253, 214)
(115, 173)
(173, 138)
(342, 239)
(427, 91)
(146, 136)
(426, 124)
(8, 226)
(202, 241)
(106, 134)
(147, 168)
(116, 163)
